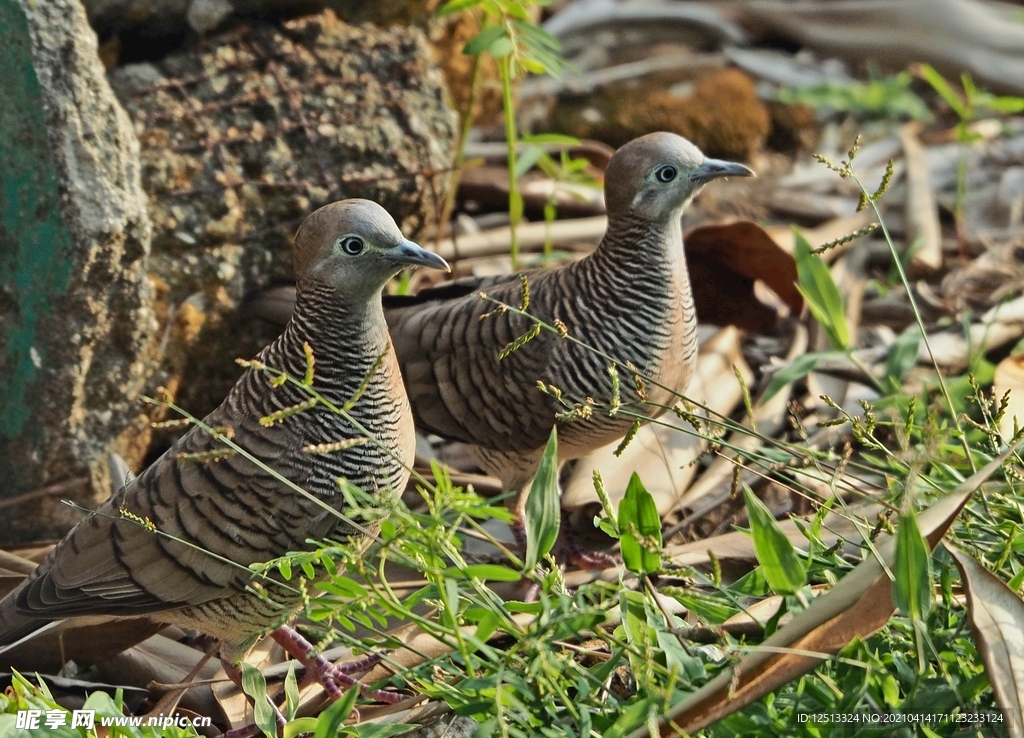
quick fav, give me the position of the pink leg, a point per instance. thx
(330, 677)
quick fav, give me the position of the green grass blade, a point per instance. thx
(912, 588)
(779, 561)
(819, 290)
(330, 720)
(799, 368)
(543, 509)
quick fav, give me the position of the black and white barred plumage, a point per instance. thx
(175, 544)
(630, 300)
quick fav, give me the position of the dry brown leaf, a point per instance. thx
(724, 262)
(85, 640)
(996, 613)
(923, 228)
(1010, 378)
(855, 608)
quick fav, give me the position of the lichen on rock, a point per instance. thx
(75, 302)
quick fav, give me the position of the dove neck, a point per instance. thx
(641, 245)
(330, 320)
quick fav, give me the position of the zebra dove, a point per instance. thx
(631, 300)
(175, 544)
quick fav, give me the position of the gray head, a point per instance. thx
(655, 176)
(355, 247)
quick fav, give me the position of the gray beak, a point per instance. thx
(716, 168)
(413, 254)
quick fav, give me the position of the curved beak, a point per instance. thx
(407, 252)
(716, 168)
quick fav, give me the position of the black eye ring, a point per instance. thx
(665, 173)
(352, 245)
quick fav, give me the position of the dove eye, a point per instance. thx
(352, 245)
(665, 173)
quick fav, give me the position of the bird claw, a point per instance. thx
(330, 676)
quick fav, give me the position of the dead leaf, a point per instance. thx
(1010, 378)
(725, 261)
(996, 613)
(85, 640)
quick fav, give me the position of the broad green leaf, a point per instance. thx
(779, 561)
(912, 588)
(487, 572)
(483, 40)
(330, 720)
(903, 354)
(501, 46)
(539, 35)
(640, 528)
(299, 726)
(799, 368)
(1005, 105)
(527, 157)
(543, 508)
(291, 692)
(1017, 581)
(533, 66)
(255, 685)
(941, 86)
(343, 587)
(820, 291)
(454, 6)
(516, 9)
(710, 609)
(552, 63)
(551, 138)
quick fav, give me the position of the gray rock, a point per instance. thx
(75, 304)
(155, 19)
(246, 134)
(205, 15)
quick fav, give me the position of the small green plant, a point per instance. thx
(889, 97)
(518, 46)
(565, 172)
(969, 105)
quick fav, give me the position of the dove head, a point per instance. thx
(355, 247)
(655, 176)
